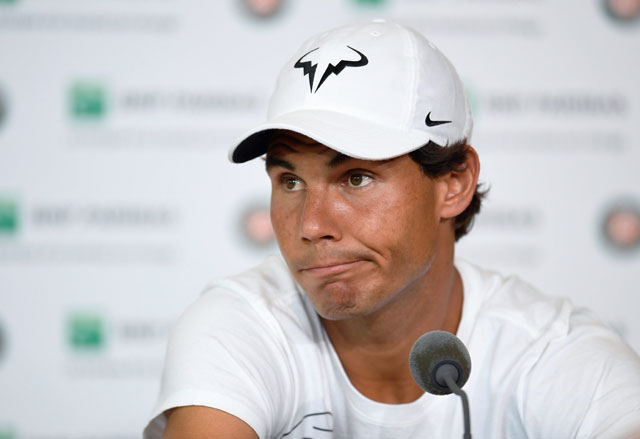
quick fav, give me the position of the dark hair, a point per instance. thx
(434, 160)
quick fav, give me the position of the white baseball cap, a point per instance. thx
(372, 91)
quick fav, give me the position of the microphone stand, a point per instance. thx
(465, 404)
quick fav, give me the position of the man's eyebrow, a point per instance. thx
(338, 159)
(271, 162)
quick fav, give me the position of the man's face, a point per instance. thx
(356, 234)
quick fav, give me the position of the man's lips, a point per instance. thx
(331, 268)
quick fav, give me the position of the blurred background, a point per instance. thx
(118, 205)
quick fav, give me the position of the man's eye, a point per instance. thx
(359, 180)
(291, 183)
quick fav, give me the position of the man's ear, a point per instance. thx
(459, 186)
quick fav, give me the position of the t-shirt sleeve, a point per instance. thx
(223, 353)
(585, 385)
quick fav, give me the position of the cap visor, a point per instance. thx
(349, 135)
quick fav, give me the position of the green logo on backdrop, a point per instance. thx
(8, 216)
(370, 2)
(86, 331)
(87, 100)
(6, 2)
(7, 432)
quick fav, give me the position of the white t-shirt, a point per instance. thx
(253, 346)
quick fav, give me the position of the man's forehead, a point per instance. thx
(292, 141)
(283, 142)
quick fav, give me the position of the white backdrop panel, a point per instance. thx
(117, 203)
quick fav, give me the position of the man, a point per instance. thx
(372, 183)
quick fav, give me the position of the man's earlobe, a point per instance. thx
(460, 185)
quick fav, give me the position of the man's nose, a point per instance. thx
(319, 216)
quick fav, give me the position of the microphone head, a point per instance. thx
(434, 350)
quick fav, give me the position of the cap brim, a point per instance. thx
(351, 136)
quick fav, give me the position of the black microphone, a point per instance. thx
(440, 364)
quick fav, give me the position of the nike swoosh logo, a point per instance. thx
(434, 123)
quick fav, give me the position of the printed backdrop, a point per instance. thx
(117, 203)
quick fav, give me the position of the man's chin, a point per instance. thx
(334, 303)
(340, 299)
(335, 315)
(341, 308)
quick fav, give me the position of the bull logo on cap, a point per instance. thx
(309, 67)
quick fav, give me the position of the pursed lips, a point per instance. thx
(324, 269)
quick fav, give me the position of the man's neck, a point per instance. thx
(374, 349)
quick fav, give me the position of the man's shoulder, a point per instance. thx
(545, 351)
(511, 311)
(237, 347)
(509, 301)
